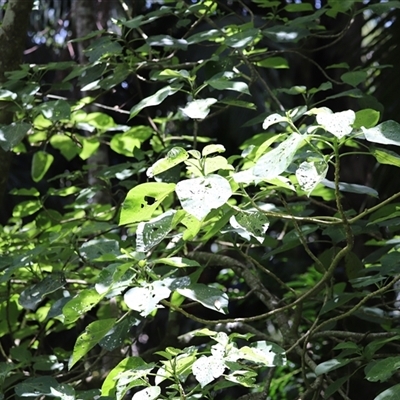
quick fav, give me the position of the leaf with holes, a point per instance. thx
(199, 196)
(151, 233)
(340, 124)
(310, 174)
(141, 201)
(249, 224)
(145, 299)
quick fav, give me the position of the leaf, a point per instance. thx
(241, 40)
(96, 248)
(145, 299)
(45, 386)
(387, 132)
(92, 335)
(141, 201)
(286, 34)
(155, 99)
(367, 118)
(149, 393)
(6, 95)
(384, 156)
(212, 149)
(199, 196)
(276, 161)
(273, 62)
(354, 78)
(393, 393)
(125, 143)
(339, 124)
(382, 370)
(151, 233)
(55, 110)
(209, 297)
(266, 353)
(174, 157)
(273, 119)
(198, 109)
(68, 148)
(382, 8)
(330, 365)
(371, 348)
(41, 163)
(167, 42)
(178, 262)
(224, 84)
(85, 300)
(351, 188)
(11, 135)
(33, 295)
(310, 174)
(206, 369)
(109, 386)
(249, 224)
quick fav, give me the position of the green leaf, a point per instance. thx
(384, 156)
(310, 174)
(367, 118)
(209, 297)
(266, 353)
(286, 34)
(178, 262)
(45, 386)
(224, 84)
(25, 192)
(155, 99)
(393, 393)
(335, 386)
(125, 143)
(212, 149)
(241, 40)
(84, 301)
(25, 208)
(41, 163)
(351, 188)
(276, 161)
(33, 295)
(198, 109)
(167, 41)
(6, 95)
(387, 132)
(11, 135)
(382, 8)
(354, 78)
(330, 365)
(371, 348)
(141, 201)
(198, 196)
(299, 7)
(55, 110)
(250, 223)
(174, 157)
(92, 335)
(117, 335)
(68, 148)
(339, 124)
(382, 370)
(273, 62)
(353, 265)
(153, 232)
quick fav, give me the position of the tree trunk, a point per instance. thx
(86, 14)
(12, 44)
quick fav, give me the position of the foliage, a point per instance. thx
(207, 275)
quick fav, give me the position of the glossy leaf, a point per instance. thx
(249, 224)
(11, 135)
(198, 109)
(209, 297)
(382, 370)
(339, 124)
(387, 132)
(174, 157)
(92, 335)
(141, 201)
